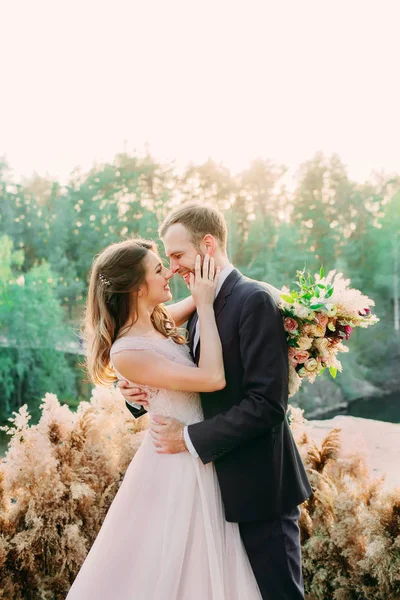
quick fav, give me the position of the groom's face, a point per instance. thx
(180, 250)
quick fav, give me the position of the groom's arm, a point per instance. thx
(264, 357)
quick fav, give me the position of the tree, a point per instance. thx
(321, 208)
(33, 336)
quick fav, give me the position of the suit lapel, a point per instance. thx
(219, 304)
(226, 291)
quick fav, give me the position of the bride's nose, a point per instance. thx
(168, 274)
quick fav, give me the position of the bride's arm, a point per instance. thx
(181, 311)
(152, 369)
(148, 368)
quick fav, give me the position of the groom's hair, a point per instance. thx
(199, 220)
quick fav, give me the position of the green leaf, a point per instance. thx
(322, 287)
(329, 293)
(317, 292)
(321, 272)
(317, 306)
(287, 298)
(333, 372)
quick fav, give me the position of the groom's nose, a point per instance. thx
(174, 266)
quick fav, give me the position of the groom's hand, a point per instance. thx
(167, 434)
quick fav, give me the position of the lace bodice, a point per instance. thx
(183, 406)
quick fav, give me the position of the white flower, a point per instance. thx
(311, 364)
(304, 343)
(331, 309)
(302, 312)
(296, 417)
(322, 345)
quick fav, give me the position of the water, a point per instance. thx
(385, 408)
(4, 439)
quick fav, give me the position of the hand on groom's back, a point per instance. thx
(133, 394)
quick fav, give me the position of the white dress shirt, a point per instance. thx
(224, 274)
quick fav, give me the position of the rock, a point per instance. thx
(379, 441)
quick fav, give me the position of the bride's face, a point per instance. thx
(156, 291)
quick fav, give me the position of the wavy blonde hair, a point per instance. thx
(116, 275)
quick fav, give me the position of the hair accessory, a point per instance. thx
(103, 280)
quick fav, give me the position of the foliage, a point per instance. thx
(273, 231)
(33, 334)
(60, 476)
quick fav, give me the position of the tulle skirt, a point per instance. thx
(165, 537)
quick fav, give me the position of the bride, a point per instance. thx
(165, 536)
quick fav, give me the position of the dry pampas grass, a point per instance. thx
(59, 477)
(350, 527)
(57, 481)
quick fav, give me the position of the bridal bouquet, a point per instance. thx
(318, 318)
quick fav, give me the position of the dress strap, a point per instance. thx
(159, 345)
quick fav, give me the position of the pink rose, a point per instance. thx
(321, 319)
(290, 325)
(301, 356)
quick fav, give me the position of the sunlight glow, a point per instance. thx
(85, 80)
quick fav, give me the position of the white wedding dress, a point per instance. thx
(165, 536)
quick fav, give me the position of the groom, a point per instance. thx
(245, 431)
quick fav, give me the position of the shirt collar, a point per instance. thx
(223, 276)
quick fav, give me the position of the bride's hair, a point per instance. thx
(116, 275)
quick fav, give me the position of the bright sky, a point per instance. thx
(231, 79)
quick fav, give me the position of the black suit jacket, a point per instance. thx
(245, 431)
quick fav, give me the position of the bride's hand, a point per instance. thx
(203, 284)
